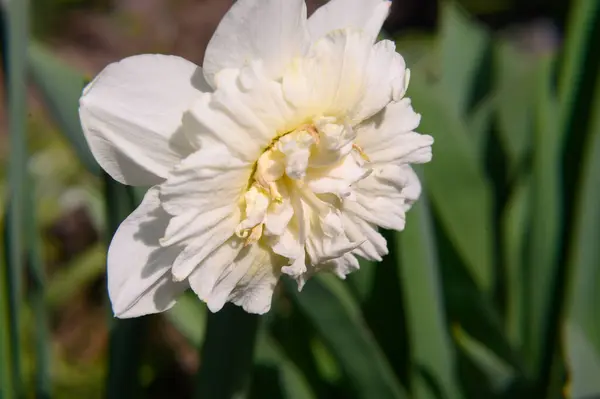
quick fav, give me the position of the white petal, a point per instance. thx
(341, 266)
(204, 246)
(385, 81)
(131, 116)
(367, 15)
(254, 292)
(331, 79)
(207, 179)
(384, 197)
(279, 216)
(412, 188)
(139, 278)
(272, 30)
(388, 136)
(327, 239)
(374, 246)
(243, 278)
(245, 113)
(336, 179)
(207, 273)
(194, 222)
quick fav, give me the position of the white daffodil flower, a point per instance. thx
(282, 154)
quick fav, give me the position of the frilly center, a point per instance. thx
(280, 187)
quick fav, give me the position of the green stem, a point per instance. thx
(126, 336)
(227, 354)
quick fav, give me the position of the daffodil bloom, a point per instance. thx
(282, 154)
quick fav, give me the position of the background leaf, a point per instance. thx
(432, 353)
(335, 315)
(61, 87)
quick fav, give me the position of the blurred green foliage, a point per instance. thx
(490, 292)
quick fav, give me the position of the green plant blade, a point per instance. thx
(515, 90)
(515, 228)
(459, 191)
(65, 283)
(60, 87)
(16, 69)
(227, 353)
(126, 336)
(188, 316)
(37, 296)
(583, 329)
(278, 373)
(385, 295)
(336, 316)
(499, 374)
(463, 46)
(431, 348)
(542, 264)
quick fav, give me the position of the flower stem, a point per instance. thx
(226, 356)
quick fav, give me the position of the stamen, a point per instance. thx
(360, 151)
(254, 235)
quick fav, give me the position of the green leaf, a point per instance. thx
(546, 214)
(385, 295)
(457, 187)
(126, 336)
(61, 87)
(583, 329)
(584, 363)
(227, 354)
(188, 316)
(498, 373)
(336, 316)
(463, 46)
(515, 91)
(37, 296)
(480, 124)
(73, 277)
(516, 221)
(16, 69)
(431, 348)
(277, 373)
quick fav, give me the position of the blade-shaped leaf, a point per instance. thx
(227, 353)
(60, 87)
(515, 91)
(458, 189)
(515, 227)
(37, 296)
(16, 68)
(336, 316)
(463, 46)
(583, 331)
(542, 261)
(277, 372)
(126, 336)
(431, 349)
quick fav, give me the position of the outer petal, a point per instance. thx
(272, 30)
(374, 246)
(202, 232)
(367, 15)
(384, 197)
(388, 136)
(206, 180)
(387, 79)
(247, 279)
(139, 278)
(131, 116)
